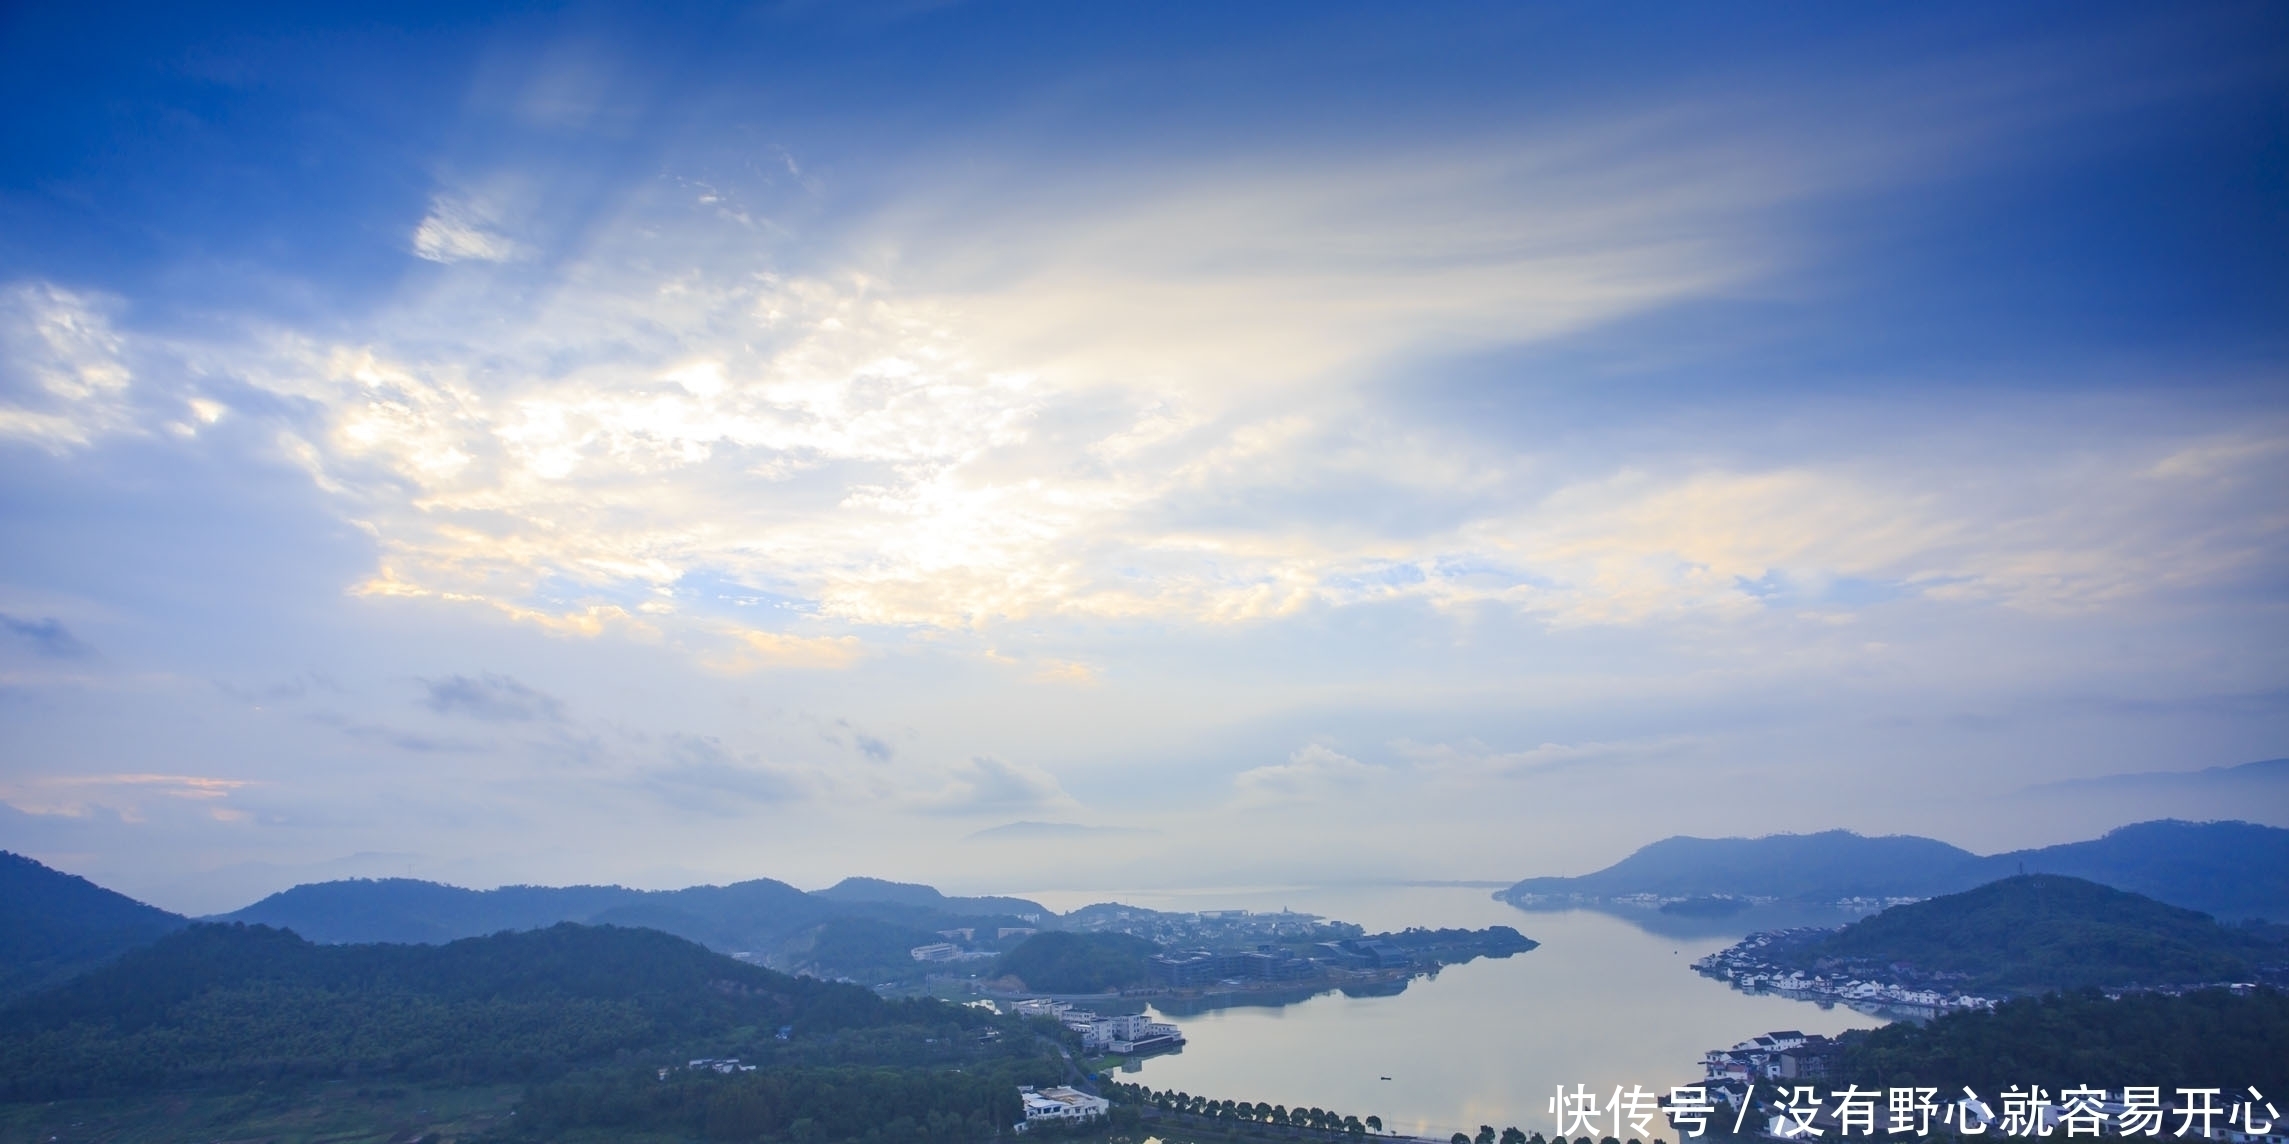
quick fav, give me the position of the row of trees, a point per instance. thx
(1316, 1119)
(1184, 1103)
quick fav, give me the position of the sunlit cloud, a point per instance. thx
(930, 454)
(63, 378)
(125, 795)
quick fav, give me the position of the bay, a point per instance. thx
(1601, 1003)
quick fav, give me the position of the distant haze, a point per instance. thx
(1091, 446)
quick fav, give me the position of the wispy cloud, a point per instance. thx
(459, 230)
(126, 795)
(987, 785)
(64, 379)
(46, 636)
(1313, 772)
(491, 697)
(700, 773)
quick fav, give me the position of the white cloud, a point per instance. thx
(457, 230)
(1154, 404)
(64, 379)
(1313, 773)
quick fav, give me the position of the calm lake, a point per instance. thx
(1601, 1003)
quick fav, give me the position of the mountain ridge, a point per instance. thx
(2232, 870)
(54, 925)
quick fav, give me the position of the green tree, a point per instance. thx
(1512, 1135)
(1374, 1124)
(1485, 1135)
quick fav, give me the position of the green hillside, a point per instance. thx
(2209, 1038)
(1077, 962)
(53, 925)
(232, 1005)
(2041, 932)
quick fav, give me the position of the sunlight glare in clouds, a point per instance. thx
(952, 455)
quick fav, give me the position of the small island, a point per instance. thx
(1191, 962)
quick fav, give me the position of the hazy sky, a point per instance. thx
(1301, 440)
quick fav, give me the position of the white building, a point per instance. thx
(1060, 1105)
(942, 951)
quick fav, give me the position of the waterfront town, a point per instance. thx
(1751, 967)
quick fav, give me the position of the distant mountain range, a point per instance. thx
(755, 917)
(54, 925)
(2231, 870)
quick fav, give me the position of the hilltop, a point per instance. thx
(54, 925)
(233, 1004)
(2030, 933)
(2232, 870)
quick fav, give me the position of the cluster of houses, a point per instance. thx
(1130, 1034)
(1747, 967)
(1784, 1055)
(1196, 968)
(1059, 1105)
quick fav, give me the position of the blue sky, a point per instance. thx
(1340, 441)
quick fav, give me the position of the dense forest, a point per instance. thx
(2040, 932)
(802, 1105)
(2207, 1038)
(1058, 962)
(234, 1004)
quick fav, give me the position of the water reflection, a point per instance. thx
(1602, 1002)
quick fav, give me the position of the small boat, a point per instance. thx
(1385, 1078)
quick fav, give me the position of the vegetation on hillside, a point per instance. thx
(867, 950)
(1060, 962)
(2207, 1038)
(219, 1005)
(54, 925)
(2041, 932)
(805, 1105)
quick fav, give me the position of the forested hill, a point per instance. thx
(928, 897)
(2231, 870)
(408, 910)
(2209, 1038)
(231, 1004)
(759, 916)
(2040, 932)
(2228, 870)
(1077, 962)
(54, 924)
